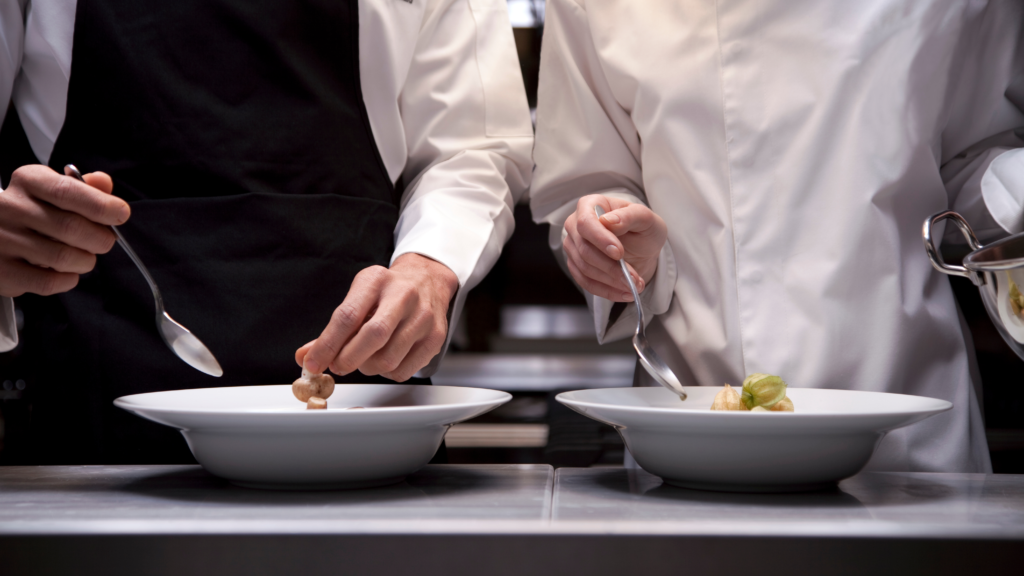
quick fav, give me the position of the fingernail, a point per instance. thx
(612, 251)
(312, 366)
(612, 217)
(639, 285)
(123, 214)
(627, 296)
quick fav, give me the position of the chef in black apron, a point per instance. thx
(237, 133)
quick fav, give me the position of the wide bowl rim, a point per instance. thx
(942, 405)
(126, 403)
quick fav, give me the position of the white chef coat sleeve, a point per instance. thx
(984, 176)
(468, 134)
(12, 43)
(587, 144)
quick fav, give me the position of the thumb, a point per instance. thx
(635, 218)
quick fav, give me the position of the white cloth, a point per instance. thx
(795, 147)
(443, 92)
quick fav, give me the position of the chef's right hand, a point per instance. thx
(52, 227)
(594, 246)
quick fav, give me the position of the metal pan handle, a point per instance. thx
(933, 252)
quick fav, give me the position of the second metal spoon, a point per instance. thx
(648, 357)
(182, 342)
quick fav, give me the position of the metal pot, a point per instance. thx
(996, 269)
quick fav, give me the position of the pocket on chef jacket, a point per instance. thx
(504, 92)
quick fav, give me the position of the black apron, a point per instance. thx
(237, 131)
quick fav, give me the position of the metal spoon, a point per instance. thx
(648, 357)
(182, 342)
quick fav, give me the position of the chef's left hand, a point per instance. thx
(392, 322)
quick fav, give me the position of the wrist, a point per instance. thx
(444, 281)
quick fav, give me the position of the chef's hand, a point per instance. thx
(392, 322)
(52, 227)
(594, 246)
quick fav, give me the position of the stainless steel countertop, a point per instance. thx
(900, 505)
(503, 519)
(188, 500)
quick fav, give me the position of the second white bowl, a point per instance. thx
(830, 436)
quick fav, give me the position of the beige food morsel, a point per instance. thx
(316, 403)
(759, 409)
(1016, 298)
(727, 399)
(784, 405)
(310, 385)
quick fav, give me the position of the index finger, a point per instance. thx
(592, 230)
(69, 194)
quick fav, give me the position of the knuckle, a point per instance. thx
(340, 366)
(377, 330)
(107, 242)
(435, 341)
(397, 376)
(339, 369)
(389, 363)
(70, 226)
(587, 251)
(90, 262)
(373, 274)
(347, 315)
(24, 176)
(52, 283)
(61, 190)
(63, 258)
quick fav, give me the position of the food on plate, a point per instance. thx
(760, 393)
(1016, 298)
(784, 405)
(762, 390)
(727, 399)
(313, 389)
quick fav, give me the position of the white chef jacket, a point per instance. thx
(443, 92)
(794, 148)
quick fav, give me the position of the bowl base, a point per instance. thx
(754, 488)
(312, 486)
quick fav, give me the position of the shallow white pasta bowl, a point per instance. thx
(261, 436)
(830, 436)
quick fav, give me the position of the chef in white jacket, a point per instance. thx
(272, 155)
(768, 165)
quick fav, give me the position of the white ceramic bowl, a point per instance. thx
(830, 436)
(261, 436)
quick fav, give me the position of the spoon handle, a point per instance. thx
(70, 170)
(636, 295)
(142, 268)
